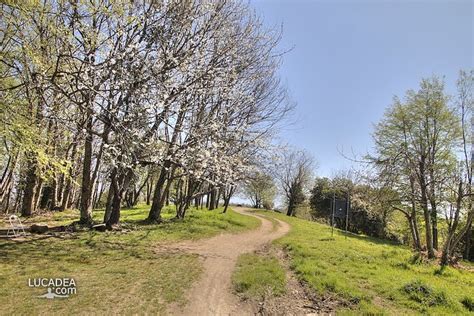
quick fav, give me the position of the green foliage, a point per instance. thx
(424, 294)
(321, 195)
(258, 276)
(370, 272)
(370, 215)
(297, 194)
(23, 134)
(417, 146)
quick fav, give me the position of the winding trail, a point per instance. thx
(212, 294)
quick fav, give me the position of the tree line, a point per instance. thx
(104, 103)
(421, 167)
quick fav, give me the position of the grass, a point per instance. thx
(197, 223)
(257, 276)
(376, 276)
(115, 272)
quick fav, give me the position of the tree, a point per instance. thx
(321, 195)
(461, 195)
(244, 100)
(368, 212)
(260, 189)
(294, 171)
(112, 97)
(32, 128)
(414, 153)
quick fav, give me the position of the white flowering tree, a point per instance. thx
(171, 96)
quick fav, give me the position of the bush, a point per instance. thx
(422, 293)
(268, 205)
(468, 303)
(418, 259)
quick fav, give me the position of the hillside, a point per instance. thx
(374, 276)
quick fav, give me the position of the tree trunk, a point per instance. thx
(414, 235)
(68, 178)
(212, 203)
(428, 230)
(99, 197)
(18, 199)
(74, 200)
(414, 230)
(7, 181)
(446, 253)
(218, 197)
(39, 191)
(87, 183)
(227, 195)
(149, 190)
(468, 246)
(226, 204)
(417, 233)
(29, 192)
(451, 242)
(54, 193)
(434, 223)
(108, 204)
(114, 218)
(120, 185)
(136, 195)
(291, 207)
(412, 216)
(7, 205)
(426, 212)
(155, 211)
(66, 195)
(61, 183)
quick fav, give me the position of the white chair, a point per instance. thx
(16, 227)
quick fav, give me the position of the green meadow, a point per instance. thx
(115, 272)
(374, 276)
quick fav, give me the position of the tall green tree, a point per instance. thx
(415, 150)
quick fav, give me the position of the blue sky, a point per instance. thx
(350, 58)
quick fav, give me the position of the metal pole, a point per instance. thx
(347, 213)
(333, 210)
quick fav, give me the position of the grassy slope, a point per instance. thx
(371, 272)
(114, 272)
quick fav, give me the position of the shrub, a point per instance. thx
(401, 265)
(468, 303)
(417, 258)
(422, 293)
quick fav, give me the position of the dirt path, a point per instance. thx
(212, 294)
